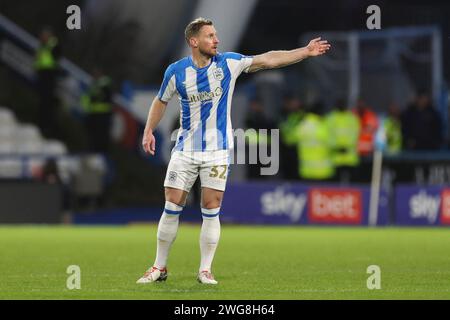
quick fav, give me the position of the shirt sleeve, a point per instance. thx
(238, 62)
(168, 87)
(245, 63)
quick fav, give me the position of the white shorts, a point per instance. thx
(184, 168)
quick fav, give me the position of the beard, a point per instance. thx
(206, 53)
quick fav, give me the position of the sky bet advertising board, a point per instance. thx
(280, 203)
(422, 206)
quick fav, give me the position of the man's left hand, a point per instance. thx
(317, 47)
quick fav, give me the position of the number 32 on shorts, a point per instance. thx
(215, 172)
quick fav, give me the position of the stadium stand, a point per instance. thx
(25, 139)
(23, 152)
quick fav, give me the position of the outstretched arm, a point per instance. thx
(278, 59)
(154, 116)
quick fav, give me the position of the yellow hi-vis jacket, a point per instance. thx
(287, 127)
(94, 101)
(44, 59)
(393, 130)
(314, 148)
(344, 133)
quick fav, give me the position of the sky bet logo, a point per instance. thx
(424, 205)
(280, 202)
(205, 96)
(335, 206)
(431, 207)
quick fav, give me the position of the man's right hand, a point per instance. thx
(148, 142)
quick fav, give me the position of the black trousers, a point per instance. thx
(46, 86)
(98, 127)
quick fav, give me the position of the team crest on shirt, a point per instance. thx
(218, 74)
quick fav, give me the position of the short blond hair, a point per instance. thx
(194, 27)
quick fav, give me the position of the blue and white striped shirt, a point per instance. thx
(205, 96)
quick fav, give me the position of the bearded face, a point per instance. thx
(206, 41)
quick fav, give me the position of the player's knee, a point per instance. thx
(176, 201)
(211, 198)
(175, 196)
(212, 202)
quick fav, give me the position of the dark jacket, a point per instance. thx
(421, 128)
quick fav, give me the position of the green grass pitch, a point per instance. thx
(251, 263)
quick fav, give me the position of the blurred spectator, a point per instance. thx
(293, 114)
(369, 124)
(344, 129)
(421, 125)
(256, 119)
(393, 129)
(314, 152)
(50, 173)
(46, 66)
(88, 186)
(97, 103)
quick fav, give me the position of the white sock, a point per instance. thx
(167, 232)
(209, 237)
